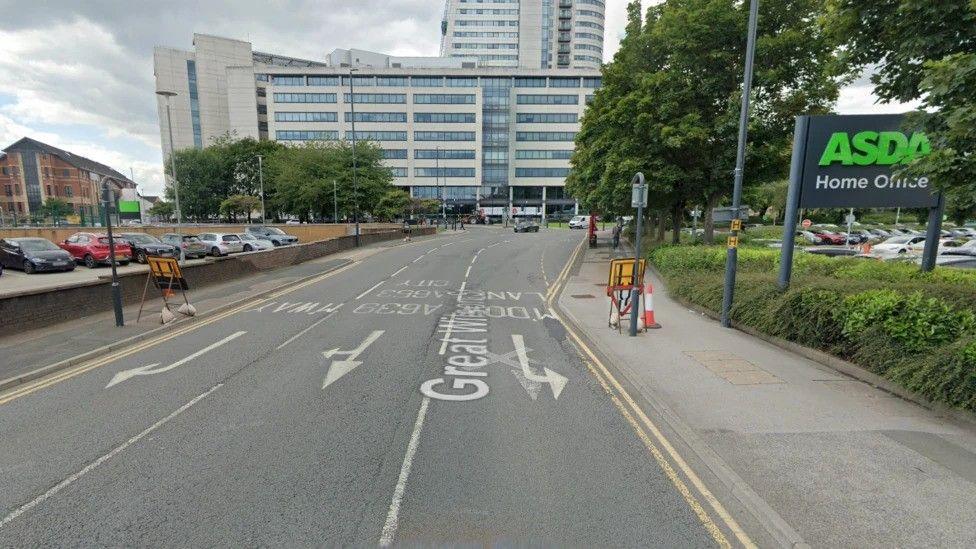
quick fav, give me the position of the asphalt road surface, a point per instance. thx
(425, 395)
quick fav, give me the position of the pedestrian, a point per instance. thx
(462, 224)
(616, 234)
(406, 230)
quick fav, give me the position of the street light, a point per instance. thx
(355, 187)
(264, 219)
(116, 291)
(172, 160)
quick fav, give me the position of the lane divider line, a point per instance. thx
(393, 515)
(632, 412)
(400, 270)
(306, 330)
(93, 465)
(373, 287)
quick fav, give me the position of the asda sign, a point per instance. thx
(848, 161)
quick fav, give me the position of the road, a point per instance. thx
(424, 395)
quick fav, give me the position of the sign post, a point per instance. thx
(116, 290)
(851, 161)
(638, 200)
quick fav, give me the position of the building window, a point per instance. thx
(589, 98)
(306, 135)
(445, 192)
(377, 136)
(262, 109)
(564, 82)
(261, 92)
(588, 58)
(541, 172)
(589, 36)
(399, 172)
(443, 136)
(288, 80)
(259, 77)
(48, 189)
(443, 98)
(395, 154)
(589, 13)
(444, 117)
(545, 136)
(444, 154)
(66, 173)
(191, 76)
(461, 82)
(443, 172)
(306, 117)
(592, 2)
(530, 82)
(377, 98)
(477, 23)
(359, 81)
(392, 81)
(526, 193)
(6, 171)
(463, 11)
(528, 154)
(547, 118)
(547, 99)
(304, 98)
(378, 117)
(69, 192)
(589, 47)
(592, 82)
(323, 80)
(485, 46)
(427, 81)
(589, 24)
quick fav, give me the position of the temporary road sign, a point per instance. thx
(807, 223)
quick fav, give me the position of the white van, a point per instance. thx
(579, 222)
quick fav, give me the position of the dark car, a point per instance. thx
(526, 226)
(146, 245)
(274, 234)
(34, 254)
(191, 245)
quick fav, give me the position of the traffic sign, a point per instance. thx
(638, 196)
(806, 223)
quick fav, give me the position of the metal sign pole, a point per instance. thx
(116, 291)
(932, 232)
(637, 181)
(793, 200)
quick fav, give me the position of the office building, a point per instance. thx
(479, 137)
(534, 34)
(31, 172)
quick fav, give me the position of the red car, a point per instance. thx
(92, 249)
(828, 237)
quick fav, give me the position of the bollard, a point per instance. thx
(649, 323)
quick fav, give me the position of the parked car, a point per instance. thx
(964, 248)
(274, 234)
(896, 245)
(33, 255)
(222, 243)
(879, 233)
(146, 245)
(188, 243)
(829, 237)
(255, 244)
(579, 222)
(93, 250)
(860, 236)
(964, 232)
(526, 226)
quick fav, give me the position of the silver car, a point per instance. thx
(254, 244)
(222, 243)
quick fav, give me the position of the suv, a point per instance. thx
(274, 234)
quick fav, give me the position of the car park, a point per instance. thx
(963, 248)
(255, 244)
(274, 234)
(879, 233)
(93, 249)
(896, 245)
(579, 222)
(34, 255)
(809, 237)
(830, 237)
(188, 243)
(526, 226)
(219, 244)
(145, 246)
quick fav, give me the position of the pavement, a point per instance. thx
(421, 394)
(14, 281)
(811, 456)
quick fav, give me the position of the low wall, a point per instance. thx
(32, 309)
(305, 233)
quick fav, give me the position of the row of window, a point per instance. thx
(443, 172)
(547, 117)
(529, 154)
(484, 34)
(545, 136)
(306, 117)
(541, 172)
(592, 2)
(540, 99)
(444, 117)
(587, 58)
(486, 191)
(589, 36)
(489, 1)
(589, 24)
(477, 23)
(506, 11)
(435, 81)
(379, 135)
(419, 117)
(480, 46)
(590, 13)
(590, 47)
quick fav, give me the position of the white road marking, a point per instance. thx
(446, 245)
(91, 466)
(148, 370)
(447, 334)
(306, 330)
(468, 272)
(340, 368)
(556, 381)
(360, 296)
(400, 270)
(418, 259)
(473, 259)
(393, 516)
(495, 244)
(479, 251)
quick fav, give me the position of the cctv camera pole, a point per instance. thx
(116, 291)
(732, 257)
(640, 191)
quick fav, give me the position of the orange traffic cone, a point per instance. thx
(649, 322)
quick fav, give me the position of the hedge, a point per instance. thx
(916, 329)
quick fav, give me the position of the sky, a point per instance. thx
(79, 75)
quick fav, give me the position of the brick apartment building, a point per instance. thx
(32, 172)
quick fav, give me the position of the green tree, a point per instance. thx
(163, 210)
(921, 50)
(201, 175)
(239, 204)
(56, 209)
(392, 205)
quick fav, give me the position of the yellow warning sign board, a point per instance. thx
(733, 242)
(622, 272)
(736, 224)
(166, 272)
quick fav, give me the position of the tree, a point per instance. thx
(392, 205)
(201, 175)
(239, 204)
(921, 50)
(163, 210)
(56, 208)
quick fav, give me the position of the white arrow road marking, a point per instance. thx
(340, 368)
(556, 381)
(148, 370)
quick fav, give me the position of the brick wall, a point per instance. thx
(36, 309)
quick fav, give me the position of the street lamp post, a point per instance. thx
(335, 202)
(264, 219)
(172, 160)
(437, 182)
(732, 256)
(355, 186)
(116, 290)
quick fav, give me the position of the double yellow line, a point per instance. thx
(649, 434)
(69, 373)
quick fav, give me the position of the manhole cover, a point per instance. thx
(583, 296)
